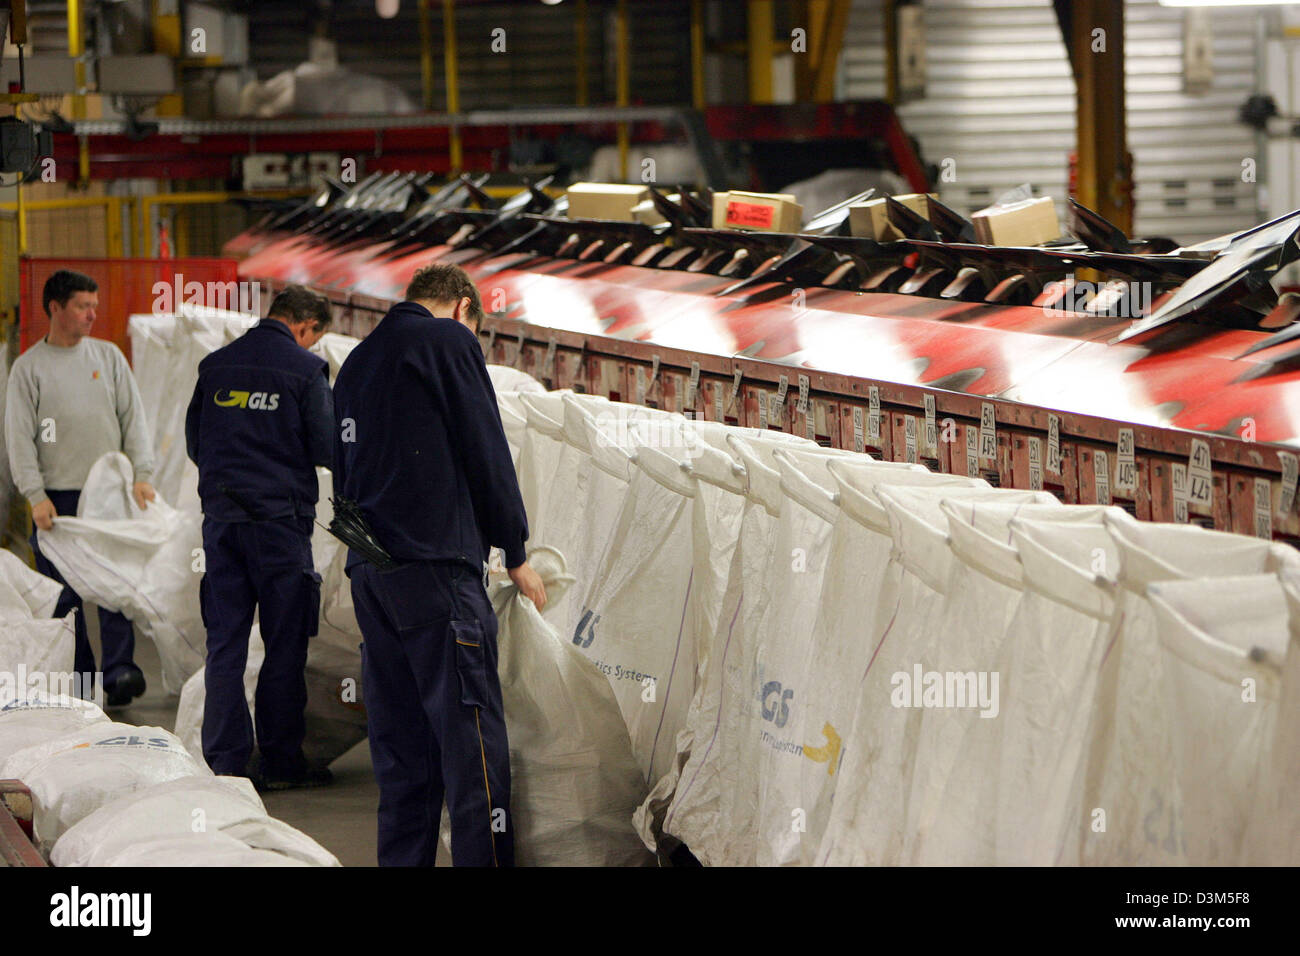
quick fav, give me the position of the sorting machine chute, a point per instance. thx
(1164, 379)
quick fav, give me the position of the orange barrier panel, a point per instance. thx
(127, 287)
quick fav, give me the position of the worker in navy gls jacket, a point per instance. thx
(421, 450)
(260, 421)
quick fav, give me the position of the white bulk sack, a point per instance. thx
(218, 848)
(1272, 835)
(24, 592)
(28, 721)
(75, 774)
(186, 807)
(984, 593)
(574, 781)
(870, 619)
(904, 643)
(507, 379)
(40, 652)
(955, 633)
(539, 458)
(1224, 641)
(140, 563)
(717, 512)
(632, 619)
(1131, 755)
(583, 504)
(707, 797)
(1061, 632)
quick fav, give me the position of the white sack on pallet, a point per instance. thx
(180, 808)
(218, 848)
(140, 563)
(37, 718)
(73, 775)
(1223, 642)
(1131, 745)
(574, 781)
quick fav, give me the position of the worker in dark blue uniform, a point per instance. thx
(260, 421)
(421, 450)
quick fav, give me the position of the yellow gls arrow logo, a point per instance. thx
(236, 398)
(830, 754)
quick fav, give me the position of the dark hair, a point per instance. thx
(63, 285)
(297, 304)
(445, 284)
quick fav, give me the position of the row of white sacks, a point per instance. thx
(751, 600)
(824, 659)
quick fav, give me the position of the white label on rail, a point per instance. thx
(1179, 478)
(639, 376)
(1290, 470)
(802, 406)
(1035, 464)
(1264, 508)
(719, 407)
(692, 385)
(873, 414)
(1101, 471)
(1200, 477)
(931, 428)
(736, 376)
(909, 438)
(972, 452)
(988, 432)
(519, 349)
(778, 401)
(1125, 463)
(1054, 444)
(762, 409)
(810, 426)
(548, 366)
(859, 442)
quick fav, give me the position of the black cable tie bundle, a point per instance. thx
(349, 525)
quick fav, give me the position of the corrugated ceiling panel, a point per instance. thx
(1000, 103)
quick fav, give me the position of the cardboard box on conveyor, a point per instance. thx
(871, 218)
(1030, 222)
(762, 212)
(605, 200)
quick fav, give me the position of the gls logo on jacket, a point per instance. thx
(263, 401)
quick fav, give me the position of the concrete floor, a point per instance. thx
(341, 817)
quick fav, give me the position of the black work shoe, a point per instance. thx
(125, 689)
(312, 777)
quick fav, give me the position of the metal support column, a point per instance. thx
(761, 24)
(453, 80)
(426, 56)
(580, 41)
(623, 84)
(697, 54)
(1097, 54)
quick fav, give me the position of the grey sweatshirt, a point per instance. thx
(66, 407)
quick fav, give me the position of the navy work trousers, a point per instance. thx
(115, 631)
(434, 711)
(267, 566)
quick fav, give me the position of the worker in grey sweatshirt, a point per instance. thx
(70, 400)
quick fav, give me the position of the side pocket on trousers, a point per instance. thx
(470, 662)
(312, 600)
(203, 600)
